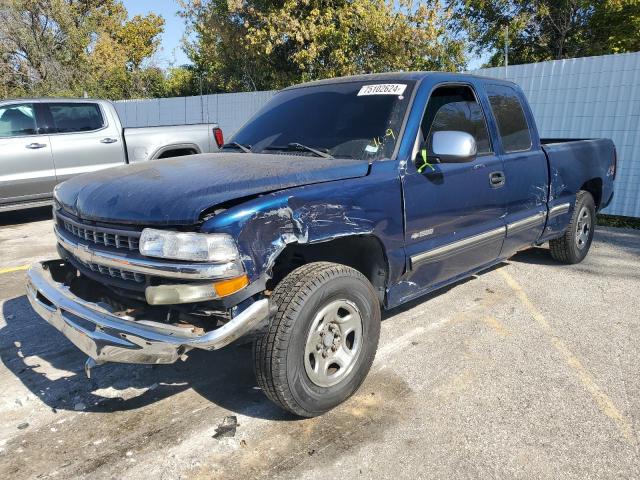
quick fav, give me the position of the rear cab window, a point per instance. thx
(18, 120)
(510, 117)
(76, 117)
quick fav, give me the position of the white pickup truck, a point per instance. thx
(46, 141)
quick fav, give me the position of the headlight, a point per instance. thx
(198, 247)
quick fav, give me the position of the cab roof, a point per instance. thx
(397, 76)
(51, 100)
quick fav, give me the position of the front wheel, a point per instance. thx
(321, 343)
(574, 245)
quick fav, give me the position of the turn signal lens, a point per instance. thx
(227, 287)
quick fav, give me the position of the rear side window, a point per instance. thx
(17, 120)
(76, 117)
(509, 114)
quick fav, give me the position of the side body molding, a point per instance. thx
(455, 248)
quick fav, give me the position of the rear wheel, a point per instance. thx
(321, 342)
(574, 245)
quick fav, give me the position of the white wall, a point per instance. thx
(229, 110)
(579, 98)
(588, 98)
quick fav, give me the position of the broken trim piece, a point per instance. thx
(526, 223)
(559, 210)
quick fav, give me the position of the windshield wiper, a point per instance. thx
(236, 145)
(298, 147)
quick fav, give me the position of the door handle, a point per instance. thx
(109, 140)
(496, 179)
(34, 146)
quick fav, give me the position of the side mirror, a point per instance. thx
(452, 146)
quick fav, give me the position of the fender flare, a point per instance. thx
(175, 146)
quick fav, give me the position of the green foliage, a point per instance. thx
(263, 44)
(618, 221)
(614, 27)
(549, 29)
(139, 37)
(181, 82)
(69, 47)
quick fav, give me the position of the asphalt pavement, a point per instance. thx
(529, 370)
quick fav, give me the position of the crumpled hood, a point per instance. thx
(176, 191)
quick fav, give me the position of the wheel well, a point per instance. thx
(363, 253)
(177, 152)
(594, 187)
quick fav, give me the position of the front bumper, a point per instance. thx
(106, 337)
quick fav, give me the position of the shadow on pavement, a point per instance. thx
(625, 239)
(52, 369)
(387, 314)
(534, 256)
(25, 216)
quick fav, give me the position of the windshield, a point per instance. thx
(358, 120)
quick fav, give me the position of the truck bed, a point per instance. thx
(145, 143)
(573, 161)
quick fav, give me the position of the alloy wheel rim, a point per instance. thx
(333, 343)
(583, 228)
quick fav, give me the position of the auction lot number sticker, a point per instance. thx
(382, 89)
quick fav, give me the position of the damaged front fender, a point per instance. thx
(264, 226)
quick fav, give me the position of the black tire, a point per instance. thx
(279, 354)
(567, 249)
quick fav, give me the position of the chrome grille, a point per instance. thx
(109, 237)
(115, 272)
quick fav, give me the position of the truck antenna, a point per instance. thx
(506, 50)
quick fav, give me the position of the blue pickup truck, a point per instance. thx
(339, 198)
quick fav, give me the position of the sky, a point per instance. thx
(170, 52)
(477, 61)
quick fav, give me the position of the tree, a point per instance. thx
(270, 44)
(181, 82)
(139, 37)
(117, 56)
(614, 27)
(549, 29)
(68, 47)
